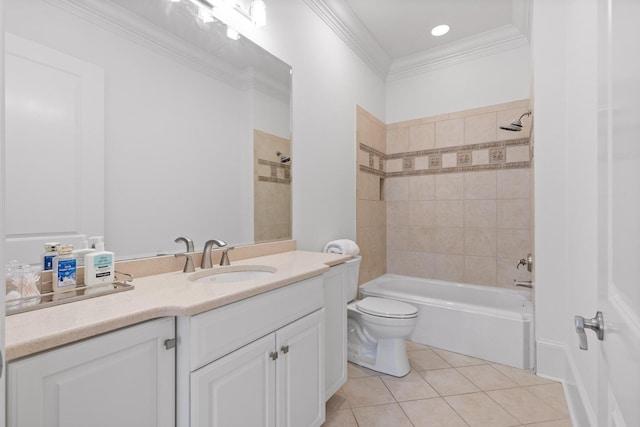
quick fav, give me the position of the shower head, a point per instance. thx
(516, 125)
(283, 158)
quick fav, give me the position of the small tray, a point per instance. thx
(50, 299)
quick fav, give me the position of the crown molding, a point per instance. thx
(131, 27)
(338, 16)
(484, 44)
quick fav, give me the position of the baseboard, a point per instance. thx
(555, 362)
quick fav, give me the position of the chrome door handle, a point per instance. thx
(596, 325)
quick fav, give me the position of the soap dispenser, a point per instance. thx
(99, 267)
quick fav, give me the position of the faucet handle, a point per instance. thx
(225, 256)
(188, 266)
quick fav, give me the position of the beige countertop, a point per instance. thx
(168, 294)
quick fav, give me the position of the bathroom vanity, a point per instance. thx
(185, 353)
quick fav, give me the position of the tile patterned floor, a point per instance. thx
(449, 390)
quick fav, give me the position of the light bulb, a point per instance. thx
(258, 12)
(205, 16)
(440, 30)
(232, 34)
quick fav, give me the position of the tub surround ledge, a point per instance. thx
(154, 296)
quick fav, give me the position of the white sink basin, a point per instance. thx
(233, 273)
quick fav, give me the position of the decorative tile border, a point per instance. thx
(275, 167)
(462, 158)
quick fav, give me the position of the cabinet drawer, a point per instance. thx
(218, 332)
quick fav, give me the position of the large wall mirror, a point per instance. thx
(137, 121)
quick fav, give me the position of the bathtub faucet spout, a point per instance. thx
(524, 283)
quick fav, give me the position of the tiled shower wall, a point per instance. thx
(456, 192)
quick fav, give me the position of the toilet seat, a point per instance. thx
(383, 307)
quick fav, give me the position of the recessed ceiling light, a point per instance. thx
(440, 30)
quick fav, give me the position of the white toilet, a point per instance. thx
(377, 328)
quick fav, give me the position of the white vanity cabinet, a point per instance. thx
(123, 378)
(255, 362)
(335, 313)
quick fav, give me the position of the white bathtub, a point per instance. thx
(494, 324)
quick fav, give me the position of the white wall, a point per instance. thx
(328, 81)
(493, 79)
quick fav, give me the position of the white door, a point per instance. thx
(619, 219)
(300, 372)
(2, 202)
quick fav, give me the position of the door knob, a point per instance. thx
(596, 325)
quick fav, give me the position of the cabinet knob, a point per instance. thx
(273, 355)
(284, 349)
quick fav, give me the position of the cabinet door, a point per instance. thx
(335, 331)
(124, 378)
(236, 390)
(300, 372)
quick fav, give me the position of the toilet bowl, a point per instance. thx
(377, 329)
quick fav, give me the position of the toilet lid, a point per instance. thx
(386, 308)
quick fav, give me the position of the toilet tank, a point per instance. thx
(351, 278)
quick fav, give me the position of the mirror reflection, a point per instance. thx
(141, 123)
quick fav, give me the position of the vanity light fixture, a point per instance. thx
(440, 30)
(205, 16)
(232, 13)
(232, 34)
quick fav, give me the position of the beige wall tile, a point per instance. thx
(449, 213)
(480, 213)
(480, 242)
(480, 128)
(513, 184)
(513, 242)
(397, 237)
(449, 267)
(422, 239)
(396, 189)
(373, 243)
(363, 158)
(480, 157)
(449, 240)
(450, 133)
(422, 137)
(397, 212)
(518, 153)
(513, 213)
(449, 160)
(480, 185)
(449, 186)
(397, 140)
(422, 213)
(368, 186)
(371, 213)
(394, 165)
(422, 163)
(422, 187)
(480, 270)
(410, 263)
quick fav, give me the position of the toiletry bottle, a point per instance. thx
(49, 254)
(63, 275)
(83, 250)
(99, 267)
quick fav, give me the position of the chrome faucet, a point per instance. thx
(188, 265)
(187, 241)
(523, 283)
(206, 253)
